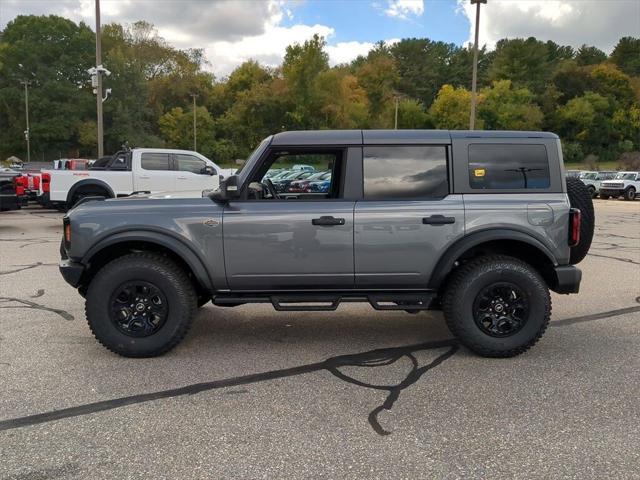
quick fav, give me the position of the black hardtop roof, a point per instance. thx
(369, 137)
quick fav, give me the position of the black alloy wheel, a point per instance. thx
(501, 309)
(138, 308)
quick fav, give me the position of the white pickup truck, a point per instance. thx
(148, 170)
(625, 184)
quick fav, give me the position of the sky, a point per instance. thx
(233, 31)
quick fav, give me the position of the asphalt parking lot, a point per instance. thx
(252, 393)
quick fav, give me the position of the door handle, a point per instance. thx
(438, 220)
(327, 221)
(182, 178)
(143, 177)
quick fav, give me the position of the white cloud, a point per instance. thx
(404, 8)
(268, 48)
(566, 22)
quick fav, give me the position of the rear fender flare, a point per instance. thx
(455, 251)
(90, 182)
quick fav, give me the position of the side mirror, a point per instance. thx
(208, 170)
(228, 190)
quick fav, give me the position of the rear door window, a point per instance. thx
(508, 166)
(401, 172)
(155, 161)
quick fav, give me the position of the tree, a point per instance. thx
(378, 76)
(626, 55)
(302, 64)
(411, 114)
(589, 56)
(52, 53)
(524, 62)
(507, 108)
(452, 108)
(176, 128)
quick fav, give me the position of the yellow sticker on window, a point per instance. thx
(478, 172)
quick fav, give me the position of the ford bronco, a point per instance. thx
(481, 225)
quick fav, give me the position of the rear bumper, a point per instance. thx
(567, 279)
(71, 271)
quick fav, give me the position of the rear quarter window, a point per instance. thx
(508, 167)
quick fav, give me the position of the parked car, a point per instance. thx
(592, 180)
(139, 170)
(573, 173)
(72, 164)
(624, 184)
(306, 168)
(9, 199)
(282, 183)
(299, 186)
(414, 220)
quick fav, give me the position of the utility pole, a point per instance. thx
(27, 133)
(472, 117)
(99, 99)
(195, 126)
(396, 121)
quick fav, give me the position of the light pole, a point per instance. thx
(99, 82)
(472, 117)
(27, 133)
(195, 127)
(396, 119)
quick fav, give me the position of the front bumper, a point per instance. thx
(567, 279)
(612, 192)
(71, 271)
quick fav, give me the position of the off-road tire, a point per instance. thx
(592, 191)
(579, 197)
(630, 194)
(467, 282)
(168, 276)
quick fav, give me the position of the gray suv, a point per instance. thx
(478, 224)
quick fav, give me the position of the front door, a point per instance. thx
(291, 237)
(407, 217)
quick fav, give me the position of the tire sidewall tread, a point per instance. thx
(461, 292)
(166, 275)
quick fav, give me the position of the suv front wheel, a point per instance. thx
(140, 305)
(497, 306)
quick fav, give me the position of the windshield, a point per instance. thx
(589, 176)
(626, 176)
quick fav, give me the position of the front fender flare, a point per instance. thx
(175, 245)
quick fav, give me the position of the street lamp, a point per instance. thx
(472, 117)
(195, 127)
(27, 132)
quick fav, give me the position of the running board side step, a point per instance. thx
(327, 302)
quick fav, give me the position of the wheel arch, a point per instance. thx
(90, 182)
(120, 244)
(496, 241)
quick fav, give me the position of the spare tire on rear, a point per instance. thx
(580, 197)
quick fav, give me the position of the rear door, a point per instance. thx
(407, 216)
(155, 173)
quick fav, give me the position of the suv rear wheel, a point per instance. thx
(140, 305)
(497, 306)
